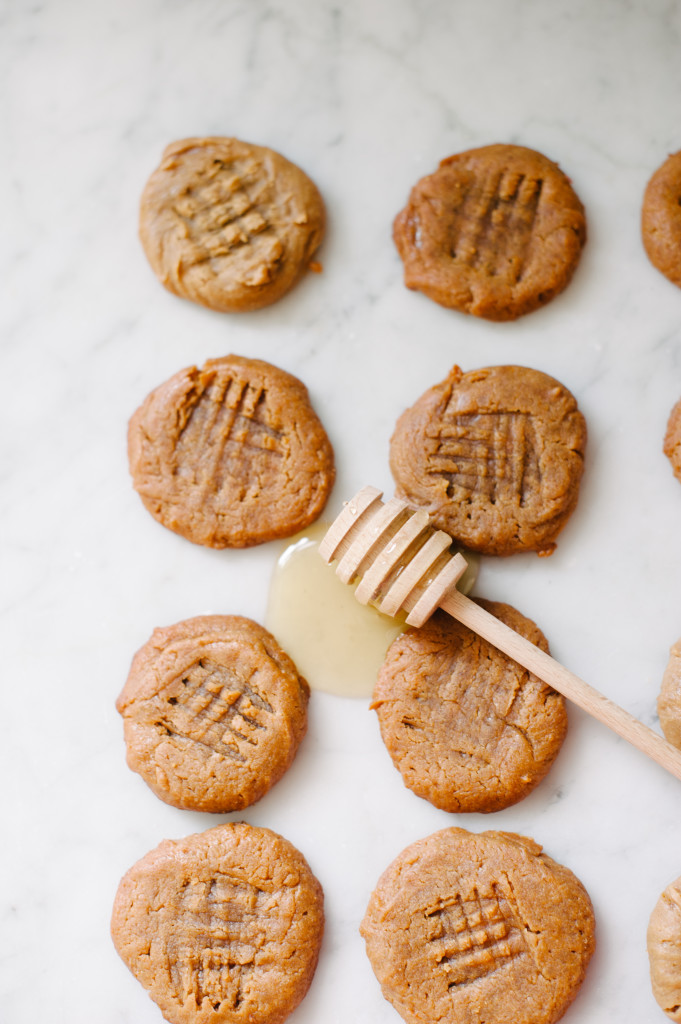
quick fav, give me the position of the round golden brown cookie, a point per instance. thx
(228, 224)
(495, 231)
(664, 950)
(467, 728)
(669, 700)
(213, 713)
(495, 456)
(232, 454)
(466, 928)
(672, 440)
(661, 219)
(223, 927)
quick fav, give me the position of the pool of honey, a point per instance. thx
(337, 643)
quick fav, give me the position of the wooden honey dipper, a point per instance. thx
(404, 563)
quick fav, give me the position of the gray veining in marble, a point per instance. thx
(367, 97)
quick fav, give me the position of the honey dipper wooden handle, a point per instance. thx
(403, 563)
(561, 679)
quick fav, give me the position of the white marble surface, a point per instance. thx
(367, 96)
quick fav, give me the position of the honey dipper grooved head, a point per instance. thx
(402, 561)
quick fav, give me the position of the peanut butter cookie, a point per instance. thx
(669, 700)
(231, 455)
(495, 456)
(664, 950)
(229, 225)
(496, 231)
(223, 927)
(213, 712)
(466, 929)
(468, 728)
(661, 219)
(672, 440)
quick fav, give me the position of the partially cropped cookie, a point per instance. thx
(466, 928)
(213, 712)
(228, 224)
(222, 927)
(669, 700)
(467, 728)
(661, 219)
(672, 440)
(232, 454)
(495, 456)
(496, 232)
(664, 950)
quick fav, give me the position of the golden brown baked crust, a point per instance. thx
(495, 231)
(213, 712)
(661, 219)
(495, 456)
(672, 440)
(228, 224)
(466, 928)
(468, 728)
(664, 950)
(223, 927)
(669, 700)
(232, 454)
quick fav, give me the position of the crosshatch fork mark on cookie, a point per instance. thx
(487, 731)
(225, 210)
(474, 937)
(492, 455)
(217, 709)
(492, 224)
(211, 951)
(225, 421)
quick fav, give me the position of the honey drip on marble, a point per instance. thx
(337, 644)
